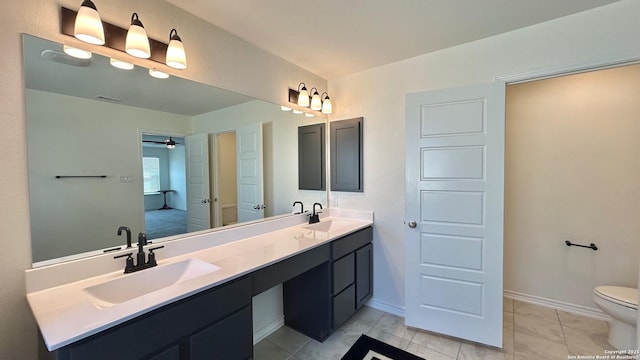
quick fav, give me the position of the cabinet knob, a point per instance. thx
(412, 224)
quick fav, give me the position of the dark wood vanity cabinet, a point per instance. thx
(215, 324)
(322, 288)
(320, 300)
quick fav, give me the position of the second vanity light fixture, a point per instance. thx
(315, 101)
(86, 25)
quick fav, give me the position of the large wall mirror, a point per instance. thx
(100, 155)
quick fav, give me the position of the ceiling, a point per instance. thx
(97, 79)
(333, 38)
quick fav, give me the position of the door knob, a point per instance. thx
(412, 224)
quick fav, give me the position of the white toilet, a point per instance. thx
(621, 303)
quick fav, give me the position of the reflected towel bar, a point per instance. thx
(591, 246)
(80, 176)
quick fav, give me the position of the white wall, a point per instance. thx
(378, 95)
(572, 169)
(77, 136)
(215, 58)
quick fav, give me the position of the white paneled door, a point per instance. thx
(250, 188)
(454, 211)
(198, 191)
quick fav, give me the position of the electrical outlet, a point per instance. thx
(126, 178)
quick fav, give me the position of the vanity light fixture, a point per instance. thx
(137, 43)
(120, 64)
(326, 104)
(88, 26)
(176, 57)
(303, 95)
(316, 103)
(76, 53)
(158, 74)
(133, 41)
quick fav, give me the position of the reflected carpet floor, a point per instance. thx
(163, 223)
(368, 348)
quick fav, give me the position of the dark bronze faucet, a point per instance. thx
(301, 206)
(142, 262)
(314, 218)
(128, 231)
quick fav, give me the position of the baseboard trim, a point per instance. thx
(268, 329)
(558, 305)
(391, 309)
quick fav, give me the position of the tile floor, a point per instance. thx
(530, 332)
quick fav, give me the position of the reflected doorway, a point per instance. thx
(164, 179)
(225, 175)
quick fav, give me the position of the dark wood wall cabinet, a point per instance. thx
(346, 155)
(311, 157)
(322, 288)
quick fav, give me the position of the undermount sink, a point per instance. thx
(328, 225)
(131, 286)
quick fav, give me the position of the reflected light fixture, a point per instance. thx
(171, 144)
(176, 57)
(158, 74)
(326, 104)
(297, 112)
(316, 103)
(309, 115)
(137, 43)
(117, 63)
(303, 95)
(76, 53)
(285, 108)
(88, 26)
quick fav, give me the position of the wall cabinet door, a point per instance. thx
(346, 155)
(311, 157)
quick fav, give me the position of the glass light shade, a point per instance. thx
(120, 64)
(316, 103)
(303, 97)
(171, 146)
(88, 26)
(326, 106)
(76, 53)
(158, 74)
(285, 108)
(298, 112)
(176, 57)
(137, 43)
(309, 115)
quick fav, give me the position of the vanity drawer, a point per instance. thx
(351, 242)
(231, 338)
(344, 305)
(343, 272)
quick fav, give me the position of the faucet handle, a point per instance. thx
(129, 262)
(152, 255)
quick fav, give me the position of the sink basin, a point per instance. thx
(133, 285)
(328, 225)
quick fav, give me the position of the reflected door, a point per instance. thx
(198, 191)
(454, 209)
(250, 188)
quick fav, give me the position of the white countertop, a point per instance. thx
(66, 314)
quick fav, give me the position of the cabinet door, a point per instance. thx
(364, 275)
(311, 158)
(228, 339)
(346, 155)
